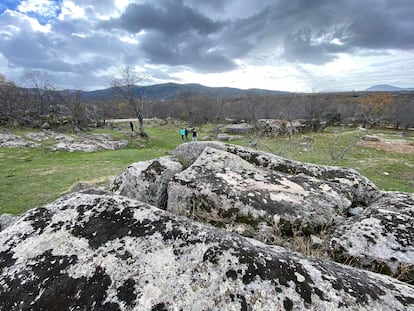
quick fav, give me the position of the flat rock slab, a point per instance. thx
(10, 140)
(85, 143)
(89, 143)
(107, 252)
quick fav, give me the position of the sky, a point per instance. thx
(287, 45)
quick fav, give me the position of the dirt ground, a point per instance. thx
(391, 146)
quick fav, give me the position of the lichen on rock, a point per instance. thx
(97, 251)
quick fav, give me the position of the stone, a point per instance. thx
(223, 187)
(242, 128)
(108, 252)
(359, 187)
(87, 143)
(46, 126)
(371, 138)
(381, 238)
(219, 177)
(282, 127)
(9, 140)
(223, 137)
(355, 210)
(315, 241)
(71, 143)
(147, 181)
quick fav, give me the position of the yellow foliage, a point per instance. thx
(376, 107)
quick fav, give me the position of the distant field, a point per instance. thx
(33, 177)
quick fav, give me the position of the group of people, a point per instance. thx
(184, 133)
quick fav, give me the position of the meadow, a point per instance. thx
(32, 177)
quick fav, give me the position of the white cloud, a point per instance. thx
(292, 45)
(16, 22)
(71, 10)
(45, 8)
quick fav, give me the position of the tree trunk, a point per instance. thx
(141, 125)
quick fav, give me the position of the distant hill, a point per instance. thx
(387, 88)
(171, 91)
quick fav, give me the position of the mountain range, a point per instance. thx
(172, 91)
(387, 88)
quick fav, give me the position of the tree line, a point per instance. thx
(39, 101)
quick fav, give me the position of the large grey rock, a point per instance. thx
(362, 190)
(102, 252)
(281, 127)
(221, 187)
(381, 238)
(256, 193)
(242, 128)
(147, 181)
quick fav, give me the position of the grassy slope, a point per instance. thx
(33, 177)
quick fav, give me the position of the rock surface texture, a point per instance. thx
(147, 181)
(108, 252)
(143, 245)
(380, 238)
(224, 187)
(267, 197)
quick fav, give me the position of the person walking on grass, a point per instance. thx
(182, 133)
(194, 134)
(186, 133)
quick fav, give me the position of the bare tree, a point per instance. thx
(376, 108)
(316, 108)
(341, 144)
(42, 89)
(193, 108)
(124, 81)
(16, 106)
(72, 101)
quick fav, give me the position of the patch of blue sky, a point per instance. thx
(9, 4)
(43, 10)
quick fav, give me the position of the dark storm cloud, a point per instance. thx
(205, 35)
(176, 35)
(316, 31)
(173, 18)
(180, 51)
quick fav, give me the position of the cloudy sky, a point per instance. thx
(291, 45)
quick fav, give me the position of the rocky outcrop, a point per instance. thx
(107, 252)
(362, 190)
(220, 187)
(242, 128)
(85, 143)
(10, 140)
(89, 143)
(269, 198)
(281, 127)
(147, 181)
(381, 238)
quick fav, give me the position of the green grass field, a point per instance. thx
(36, 176)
